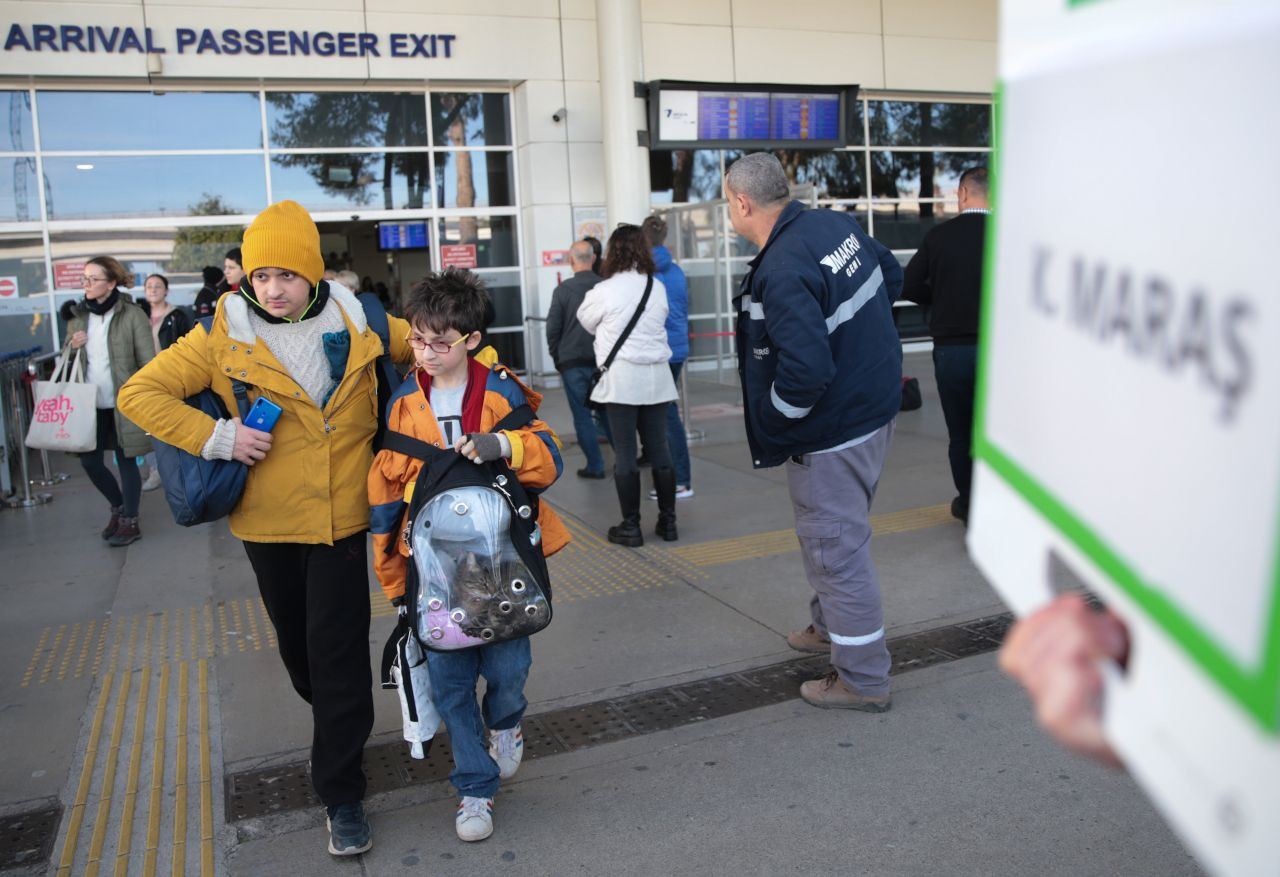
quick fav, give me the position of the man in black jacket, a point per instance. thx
(821, 369)
(945, 275)
(573, 353)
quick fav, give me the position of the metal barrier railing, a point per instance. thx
(16, 372)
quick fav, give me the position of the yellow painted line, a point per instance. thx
(84, 648)
(163, 640)
(69, 651)
(53, 653)
(125, 841)
(253, 624)
(222, 628)
(758, 545)
(103, 634)
(178, 867)
(35, 657)
(209, 650)
(239, 625)
(266, 622)
(68, 856)
(206, 778)
(157, 775)
(108, 778)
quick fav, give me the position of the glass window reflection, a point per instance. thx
(149, 120)
(494, 238)
(17, 107)
(19, 197)
(166, 185)
(902, 225)
(475, 119)
(22, 257)
(682, 176)
(921, 123)
(921, 174)
(475, 179)
(338, 181)
(301, 120)
(507, 297)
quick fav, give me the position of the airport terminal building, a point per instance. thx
(487, 134)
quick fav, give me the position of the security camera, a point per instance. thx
(355, 216)
(559, 115)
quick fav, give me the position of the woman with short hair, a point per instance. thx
(116, 336)
(637, 385)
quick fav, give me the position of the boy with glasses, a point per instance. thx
(453, 401)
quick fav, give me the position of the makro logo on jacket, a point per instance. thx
(55, 409)
(842, 254)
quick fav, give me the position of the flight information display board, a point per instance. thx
(402, 236)
(698, 115)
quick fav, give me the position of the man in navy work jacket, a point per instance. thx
(821, 370)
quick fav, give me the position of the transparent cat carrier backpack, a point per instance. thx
(476, 573)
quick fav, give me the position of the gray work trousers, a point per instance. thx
(831, 494)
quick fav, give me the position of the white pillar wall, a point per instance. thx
(626, 164)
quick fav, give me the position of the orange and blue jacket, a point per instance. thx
(491, 394)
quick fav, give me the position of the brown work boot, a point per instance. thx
(114, 523)
(830, 692)
(126, 534)
(809, 640)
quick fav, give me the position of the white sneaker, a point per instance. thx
(683, 491)
(153, 480)
(507, 748)
(475, 818)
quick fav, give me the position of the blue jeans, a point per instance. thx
(955, 366)
(576, 382)
(505, 667)
(677, 439)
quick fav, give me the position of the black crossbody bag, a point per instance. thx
(599, 371)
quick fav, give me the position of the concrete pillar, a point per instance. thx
(626, 165)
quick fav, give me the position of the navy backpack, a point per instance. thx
(200, 490)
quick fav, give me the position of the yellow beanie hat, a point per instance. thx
(283, 236)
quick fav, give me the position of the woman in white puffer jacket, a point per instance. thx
(637, 386)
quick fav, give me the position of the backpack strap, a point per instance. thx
(516, 419)
(409, 446)
(239, 388)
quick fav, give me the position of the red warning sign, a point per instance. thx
(457, 255)
(8, 287)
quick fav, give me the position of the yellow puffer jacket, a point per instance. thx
(310, 488)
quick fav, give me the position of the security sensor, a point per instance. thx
(559, 115)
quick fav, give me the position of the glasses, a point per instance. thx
(85, 281)
(441, 347)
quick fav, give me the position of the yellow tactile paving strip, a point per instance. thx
(758, 545)
(123, 792)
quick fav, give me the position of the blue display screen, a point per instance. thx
(766, 116)
(733, 116)
(402, 236)
(804, 117)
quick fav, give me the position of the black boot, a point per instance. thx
(628, 532)
(664, 482)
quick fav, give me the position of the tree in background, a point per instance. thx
(196, 247)
(354, 119)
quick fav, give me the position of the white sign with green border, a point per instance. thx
(1128, 413)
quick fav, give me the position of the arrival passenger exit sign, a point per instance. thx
(1128, 421)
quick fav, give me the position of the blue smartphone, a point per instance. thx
(263, 415)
